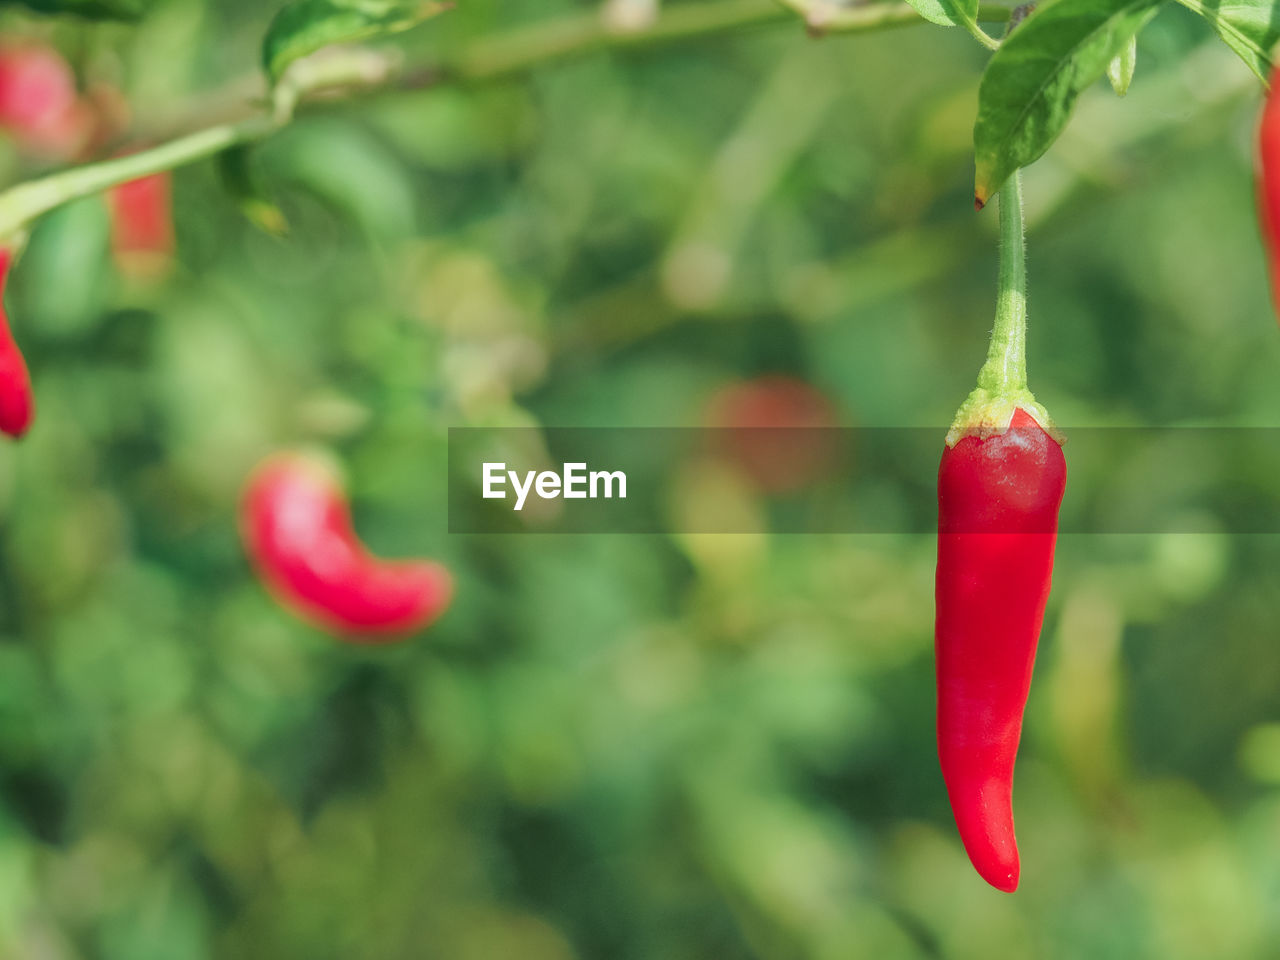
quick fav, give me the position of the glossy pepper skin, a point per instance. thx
(17, 401)
(298, 533)
(998, 500)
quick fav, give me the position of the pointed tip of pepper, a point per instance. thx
(1005, 882)
(998, 864)
(984, 819)
(978, 202)
(17, 410)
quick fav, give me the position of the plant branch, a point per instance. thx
(23, 203)
(518, 50)
(343, 73)
(526, 47)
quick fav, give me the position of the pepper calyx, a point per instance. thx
(985, 414)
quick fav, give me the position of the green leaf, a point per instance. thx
(1031, 83)
(305, 26)
(89, 9)
(1120, 69)
(959, 13)
(1249, 27)
(948, 13)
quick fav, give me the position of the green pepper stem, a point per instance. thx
(1005, 371)
(1002, 381)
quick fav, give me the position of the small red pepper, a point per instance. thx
(142, 240)
(298, 533)
(1268, 181)
(17, 401)
(1000, 485)
(39, 103)
(776, 430)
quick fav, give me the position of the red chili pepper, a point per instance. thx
(998, 504)
(1268, 181)
(298, 533)
(142, 240)
(17, 401)
(774, 429)
(1000, 484)
(39, 103)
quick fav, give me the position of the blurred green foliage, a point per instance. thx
(635, 748)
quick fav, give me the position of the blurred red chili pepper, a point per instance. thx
(39, 103)
(142, 240)
(777, 430)
(298, 533)
(17, 401)
(1268, 181)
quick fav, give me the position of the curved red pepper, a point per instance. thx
(298, 533)
(998, 502)
(17, 401)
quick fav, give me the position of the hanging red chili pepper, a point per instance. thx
(17, 401)
(1000, 484)
(142, 240)
(298, 533)
(1268, 180)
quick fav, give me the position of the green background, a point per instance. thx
(626, 747)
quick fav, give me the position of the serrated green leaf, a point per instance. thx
(305, 26)
(89, 9)
(1249, 27)
(1031, 83)
(1120, 69)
